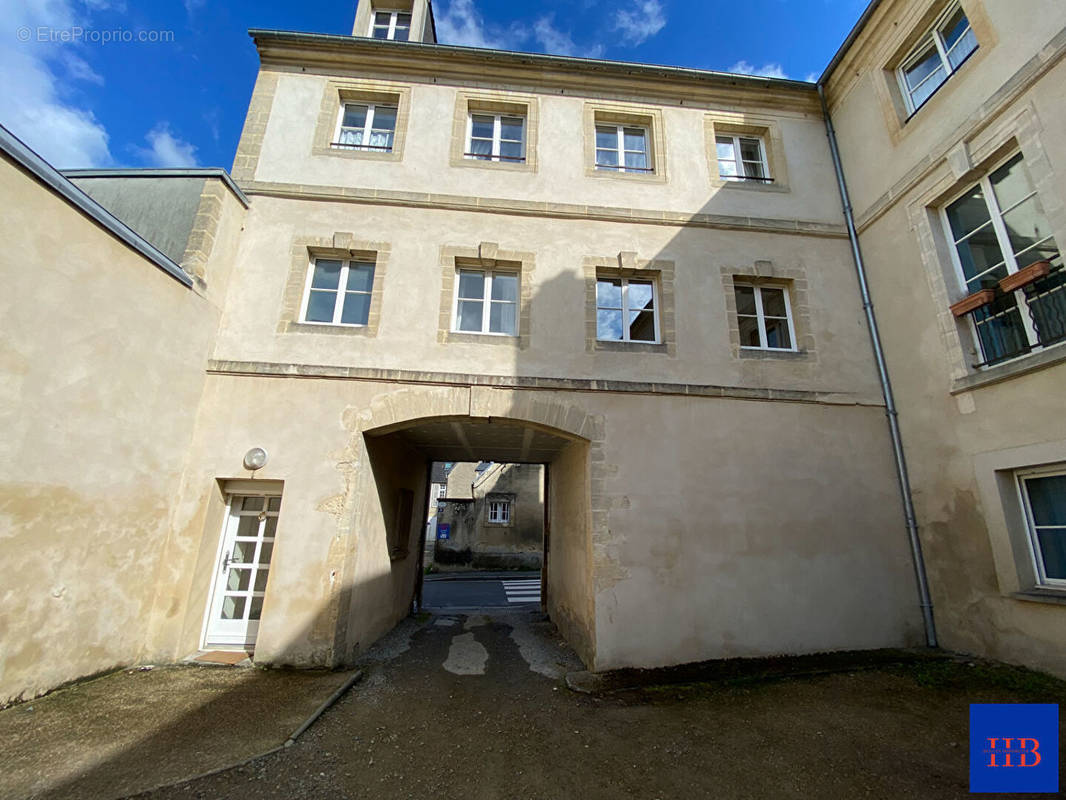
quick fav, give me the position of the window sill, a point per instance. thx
(610, 346)
(372, 155)
(782, 355)
(507, 166)
(1042, 595)
(750, 186)
(649, 177)
(328, 330)
(482, 338)
(1048, 357)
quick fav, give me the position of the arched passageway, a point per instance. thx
(400, 456)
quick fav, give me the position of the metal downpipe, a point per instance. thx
(886, 385)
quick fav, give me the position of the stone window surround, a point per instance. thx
(886, 80)
(650, 117)
(341, 246)
(1007, 527)
(628, 265)
(365, 14)
(963, 166)
(467, 102)
(500, 497)
(720, 123)
(339, 92)
(791, 279)
(487, 255)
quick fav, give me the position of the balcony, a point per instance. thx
(1012, 322)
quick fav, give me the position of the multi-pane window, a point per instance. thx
(496, 137)
(442, 490)
(486, 302)
(742, 158)
(622, 148)
(395, 25)
(499, 512)
(939, 54)
(1044, 497)
(338, 292)
(247, 564)
(626, 310)
(764, 315)
(366, 126)
(998, 228)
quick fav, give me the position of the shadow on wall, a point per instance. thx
(185, 732)
(394, 451)
(627, 293)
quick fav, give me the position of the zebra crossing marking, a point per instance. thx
(522, 591)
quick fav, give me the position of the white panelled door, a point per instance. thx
(241, 575)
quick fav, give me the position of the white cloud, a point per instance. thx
(812, 77)
(38, 81)
(78, 69)
(560, 43)
(771, 70)
(462, 24)
(167, 150)
(639, 25)
(192, 6)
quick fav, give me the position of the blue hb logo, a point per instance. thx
(1014, 748)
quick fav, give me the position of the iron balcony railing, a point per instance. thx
(622, 168)
(1002, 331)
(490, 157)
(756, 178)
(381, 148)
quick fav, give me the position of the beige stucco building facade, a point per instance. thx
(721, 481)
(970, 432)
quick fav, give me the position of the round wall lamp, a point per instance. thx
(256, 458)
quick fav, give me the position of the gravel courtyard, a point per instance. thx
(477, 707)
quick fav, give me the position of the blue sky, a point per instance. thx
(150, 83)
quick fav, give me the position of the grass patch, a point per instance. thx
(975, 675)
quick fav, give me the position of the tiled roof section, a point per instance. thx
(439, 473)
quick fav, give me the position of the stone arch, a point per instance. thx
(578, 507)
(394, 409)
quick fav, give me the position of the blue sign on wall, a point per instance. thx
(444, 531)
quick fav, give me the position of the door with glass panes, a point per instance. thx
(243, 567)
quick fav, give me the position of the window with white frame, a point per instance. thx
(626, 310)
(1044, 499)
(442, 490)
(500, 512)
(366, 126)
(338, 292)
(394, 25)
(998, 229)
(764, 315)
(622, 148)
(937, 56)
(496, 137)
(742, 158)
(486, 301)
